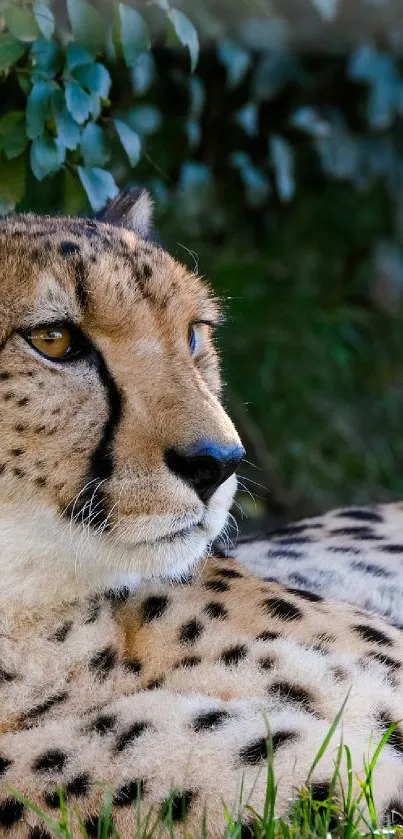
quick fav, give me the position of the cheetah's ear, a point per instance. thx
(133, 209)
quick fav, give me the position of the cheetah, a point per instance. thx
(133, 658)
(361, 545)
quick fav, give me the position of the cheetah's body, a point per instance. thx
(354, 554)
(168, 687)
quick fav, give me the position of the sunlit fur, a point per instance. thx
(135, 304)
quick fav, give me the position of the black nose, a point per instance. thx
(205, 465)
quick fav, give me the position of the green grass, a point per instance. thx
(342, 814)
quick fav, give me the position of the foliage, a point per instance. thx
(271, 137)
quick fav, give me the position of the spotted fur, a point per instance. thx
(361, 545)
(111, 675)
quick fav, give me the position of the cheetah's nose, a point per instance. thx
(205, 465)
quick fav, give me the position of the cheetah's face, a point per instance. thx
(111, 423)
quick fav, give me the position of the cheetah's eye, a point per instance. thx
(192, 339)
(57, 341)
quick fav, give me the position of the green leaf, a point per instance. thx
(130, 141)
(76, 55)
(78, 102)
(67, 129)
(12, 179)
(13, 138)
(10, 51)
(21, 23)
(99, 186)
(46, 57)
(88, 25)
(95, 78)
(47, 156)
(44, 19)
(95, 106)
(38, 107)
(187, 35)
(93, 146)
(134, 35)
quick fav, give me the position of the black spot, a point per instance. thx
(276, 607)
(147, 270)
(219, 586)
(130, 734)
(190, 631)
(282, 553)
(103, 662)
(296, 540)
(231, 573)
(5, 763)
(52, 799)
(129, 793)
(19, 473)
(391, 548)
(395, 739)
(267, 662)
(17, 452)
(40, 482)
(154, 607)
(94, 608)
(189, 661)
(292, 693)
(342, 549)
(247, 831)
(294, 528)
(133, 664)
(39, 833)
(393, 814)
(61, 632)
(69, 248)
(11, 812)
(79, 785)
(359, 514)
(281, 737)
(117, 595)
(81, 275)
(389, 662)
(254, 752)
(5, 376)
(104, 723)
(22, 402)
(233, 655)
(320, 791)
(177, 806)
(306, 595)
(210, 719)
(52, 760)
(267, 636)
(370, 568)
(153, 684)
(95, 826)
(362, 531)
(375, 636)
(43, 707)
(215, 610)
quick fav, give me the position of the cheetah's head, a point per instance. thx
(117, 456)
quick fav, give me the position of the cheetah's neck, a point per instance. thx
(43, 563)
